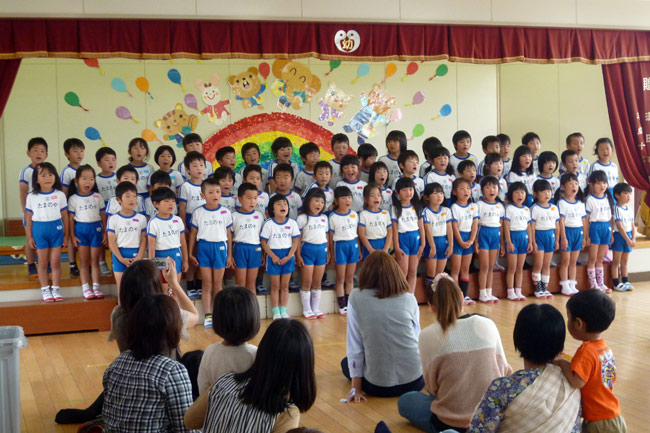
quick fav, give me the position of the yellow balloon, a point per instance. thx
(391, 68)
(149, 135)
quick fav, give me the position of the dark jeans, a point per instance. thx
(383, 391)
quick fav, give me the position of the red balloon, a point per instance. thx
(93, 63)
(265, 69)
(412, 68)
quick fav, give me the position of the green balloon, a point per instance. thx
(418, 130)
(442, 70)
(334, 64)
(72, 99)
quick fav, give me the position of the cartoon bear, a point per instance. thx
(373, 110)
(248, 88)
(215, 109)
(295, 83)
(176, 124)
(333, 104)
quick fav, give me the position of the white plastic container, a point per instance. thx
(12, 338)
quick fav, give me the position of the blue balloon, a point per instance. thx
(363, 70)
(118, 85)
(92, 134)
(445, 110)
(174, 76)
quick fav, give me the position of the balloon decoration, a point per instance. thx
(143, 85)
(333, 65)
(411, 69)
(175, 77)
(190, 101)
(123, 113)
(445, 111)
(73, 100)
(418, 130)
(391, 68)
(395, 115)
(119, 85)
(441, 71)
(93, 63)
(265, 69)
(362, 71)
(93, 134)
(149, 135)
(418, 98)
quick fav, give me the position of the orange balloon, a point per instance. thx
(142, 83)
(149, 135)
(391, 68)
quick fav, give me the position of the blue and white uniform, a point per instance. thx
(624, 214)
(113, 207)
(554, 181)
(144, 171)
(574, 213)
(584, 167)
(611, 170)
(47, 227)
(489, 223)
(357, 193)
(386, 199)
(212, 227)
(545, 219)
(279, 236)
(128, 230)
(175, 176)
(476, 191)
(417, 181)
(437, 222)
(454, 160)
(67, 175)
(464, 216)
(535, 165)
(293, 164)
(87, 216)
(329, 194)
(190, 193)
(302, 180)
(167, 232)
(106, 185)
(394, 172)
(295, 203)
(262, 203)
(527, 179)
(206, 174)
(26, 175)
(150, 210)
(408, 229)
(600, 217)
(376, 225)
(446, 181)
(313, 233)
(425, 168)
(519, 218)
(507, 165)
(246, 228)
(229, 201)
(336, 173)
(344, 228)
(265, 175)
(364, 175)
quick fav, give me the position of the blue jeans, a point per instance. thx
(416, 407)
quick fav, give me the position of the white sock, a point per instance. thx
(489, 293)
(315, 301)
(546, 279)
(512, 294)
(85, 286)
(518, 292)
(95, 286)
(305, 297)
(536, 276)
(482, 295)
(566, 286)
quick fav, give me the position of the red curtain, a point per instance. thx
(8, 72)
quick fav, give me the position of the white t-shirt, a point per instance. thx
(419, 184)
(229, 202)
(507, 165)
(584, 167)
(394, 171)
(476, 192)
(176, 177)
(357, 193)
(336, 173)
(150, 210)
(573, 212)
(519, 217)
(386, 199)
(206, 174)
(364, 175)
(479, 168)
(445, 180)
(46, 206)
(344, 226)
(114, 207)
(626, 216)
(437, 220)
(302, 180)
(262, 203)
(67, 175)
(106, 186)
(544, 218)
(598, 208)
(423, 169)
(26, 175)
(295, 203)
(86, 208)
(527, 179)
(535, 165)
(554, 181)
(246, 227)
(167, 232)
(127, 229)
(144, 171)
(408, 220)
(329, 194)
(490, 214)
(376, 223)
(212, 224)
(293, 164)
(454, 160)
(313, 228)
(191, 194)
(611, 170)
(464, 215)
(279, 235)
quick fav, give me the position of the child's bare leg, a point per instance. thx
(593, 252)
(43, 257)
(240, 276)
(538, 261)
(403, 263)
(624, 264)
(412, 274)
(96, 272)
(118, 280)
(317, 277)
(206, 293)
(573, 261)
(464, 266)
(284, 289)
(306, 276)
(30, 254)
(431, 266)
(546, 263)
(519, 270)
(484, 264)
(251, 277)
(84, 264)
(340, 280)
(350, 269)
(511, 270)
(55, 264)
(602, 251)
(275, 290)
(565, 264)
(490, 273)
(455, 266)
(440, 266)
(217, 280)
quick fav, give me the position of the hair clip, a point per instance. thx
(440, 276)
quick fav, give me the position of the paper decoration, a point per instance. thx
(143, 85)
(93, 134)
(391, 68)
(373, 111)
(175, 77)
(93, 63)
(215, 108)
(395, 115)
(441, 71)
(265, 70)
(123, 113)
(411, 69)
(333, 104)
(418, 98)
(190, 101)
(362, 71)
(445, 111)
(73, 100)
(333, 65)
(418, 130)
(150, 136)
(176, 124)
(119, 85)
(248, 88)
(295, 84)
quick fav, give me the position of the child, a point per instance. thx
(322, 177)
(367, 154)
(464, 225)
(504, 151)
(343, 244)
(312, 255)
(236, 320)
(192, 142)
(437, 231)
(573, 226)
(138, 154)
(375, 226)
(126, 231)
(74, 150)
(533, 142)
(251, 154)
(282, 149)
(227, 157)
(86, 212)
(546, 165)
(225, 176)
(599, 218)
(37, 153)
(604, 151)
(624, 236)
(379, 175)
(467, 170)
(576, 143)
(522, 171)
(490, 144)
(106, 180)
(126, 173)
(428, 146)
(395, 144)
(46, 225)
(441, 172)
(462, 143)
(493, 166)
(247, 223)
(280, 238)
(519, 238)
(592, 369)
(340, 147)
(545, 223)
(489, 241)
(408, 163)
(283, 182)
(408, 233)
(310, 155)
(211, 227)
(158, 179)
(570, 161)
(350, 170)
(165, 157)
(253, 174)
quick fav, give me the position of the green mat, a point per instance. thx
(12, 241)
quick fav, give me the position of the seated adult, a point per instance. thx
(269, 396)
(146, 390)
(382, 336)
(461, 354)
(537, 399)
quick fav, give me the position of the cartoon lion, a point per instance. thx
(176, 124)
(295, 83)
(248, 88)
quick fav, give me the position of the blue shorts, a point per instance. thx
(574, 235)
(313, 254)
(48, 234)
(458, 250)
(600, 233)
(545, 240)
(211, 254)
(175, 255)
(619, 245)
(409, 242)
(287, 268)
(519, 239)
(489, 238)
(89, 234)
(347, 252)
(441, 245)
(247, 256)
(377, 244)
(127, 253)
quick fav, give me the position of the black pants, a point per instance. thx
(383, 391)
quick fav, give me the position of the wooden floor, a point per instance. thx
(59, 371)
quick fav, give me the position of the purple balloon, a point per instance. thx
(123, 113)
(190, 101)
(418, 98)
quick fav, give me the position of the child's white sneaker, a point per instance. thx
(47, 294)
(87, 292)
(484, 297)
(469, 301)
(97, 292)
(629, 286)
(519, 294)
(540, 294)
(512, 296)
(319, 314)
(284, 315)
(492, 297)
(55, 294)
(547, 294)
(343, 311)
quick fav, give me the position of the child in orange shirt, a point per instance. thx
(592, 369)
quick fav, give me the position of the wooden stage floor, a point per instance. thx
(59, 371)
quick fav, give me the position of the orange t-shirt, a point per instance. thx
(594, 363)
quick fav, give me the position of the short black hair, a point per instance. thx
(70, 143)
(404, 156)
(342, 191)
(134, 142)
(542, 185)
(308, 148)
(153, 327)
(50, 168)
(192, 137)
(126, 169)
(490, 159)
(503, 139)
(36, 140)
(246, 186)
(350, 160)
(489, 180)
(286, 168)
(251, 167)
(102, 152)
(516, 186)
(274, 199)
(564, 179)
(566, 154)
(222, 152)
(516, 164)
(164, 148)
(160, 194)
(211, 181)
(460, 135)
(373, 171)
(160, 176)
(544, 157)
(366, 150)
(601, 141)
(399, 136)
(280, 143)
(248, 146)
(539, 333)
(464, 165)
(236, 315)
(594, 308)
(322, 164)
(312, 193)
(124, 187)
(528, 137)
(621, 187)
(339, 138)
(191, 157)
(573, 135)
(489, 139)
(429, 144)
(437, 152)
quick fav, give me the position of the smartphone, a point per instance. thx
(160, 262)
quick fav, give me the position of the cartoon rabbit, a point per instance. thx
(215, 109)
